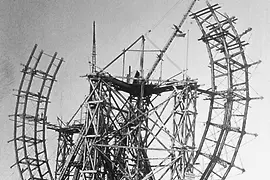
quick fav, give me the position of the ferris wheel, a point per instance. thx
(138, 127)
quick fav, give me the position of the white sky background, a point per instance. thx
(66, 26)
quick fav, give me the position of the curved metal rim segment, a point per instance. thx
(221, 37)
(229, 101)
(30, 116)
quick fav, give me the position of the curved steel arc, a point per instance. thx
(122, 128)
(16, 126)
(41, 121)
(31, 155)
(221, 36)
(228, 105)
(247, 98)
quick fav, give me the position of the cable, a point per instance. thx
(163, 17)
(165, 54)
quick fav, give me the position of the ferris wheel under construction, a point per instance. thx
(138, 127)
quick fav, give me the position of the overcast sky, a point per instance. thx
(66, 26)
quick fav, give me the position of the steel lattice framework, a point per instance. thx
(140, 128)
(120, 136)
(30, 116)
(229, 101)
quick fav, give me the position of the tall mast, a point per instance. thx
(94, 53)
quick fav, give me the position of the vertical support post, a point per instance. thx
(124, 63)
(187, 53)
(94, 53)
(160, 75)
(174, 135)
(129, 74)
(142, 58)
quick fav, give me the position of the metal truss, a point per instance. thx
(30, 115)
(128, 134)
(229, 97)
(65, 142)
(138, 128)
